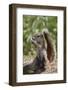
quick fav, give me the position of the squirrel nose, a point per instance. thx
(33, 38)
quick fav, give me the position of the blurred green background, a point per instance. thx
(34, 24)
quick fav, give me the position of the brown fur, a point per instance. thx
(50, 47)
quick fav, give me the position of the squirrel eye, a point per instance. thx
(38, 36)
